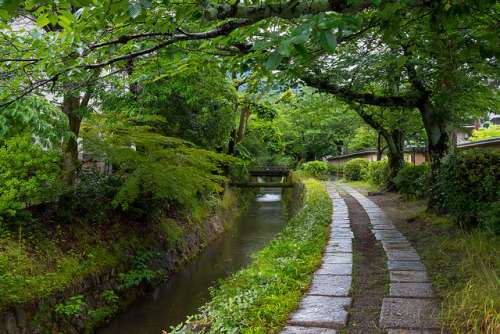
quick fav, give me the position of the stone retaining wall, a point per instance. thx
(40, 317)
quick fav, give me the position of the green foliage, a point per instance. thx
(470, 183)
(258, 299)
(355, 169)
(73, 307)
(314, 168)
(110, 297)
(313, 125)
(28, 174)
(196, 106)
(140, 271)
(464, 268)
(159, 168)
(414, 181)
(363, 139)
(377, 173)
(493, 131)
(34, 115)
(332, 169)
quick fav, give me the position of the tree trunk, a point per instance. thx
(439, 134)
(245, 113)
(440, 137)
(70, 106)
(395, 155)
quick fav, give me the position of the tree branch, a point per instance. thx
(220, 30)
(362, 98)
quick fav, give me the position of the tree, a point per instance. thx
(314, 125)
(436, 46)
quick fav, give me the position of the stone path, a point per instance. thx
(411, 305)
(324, 307)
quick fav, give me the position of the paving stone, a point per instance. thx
(335, 269)
(307, 330)
(408, 313)
(388, 235)
(409, 276)
(402, 256)
(416, 290)
(321, 311)
(373, 210)
(340, 225)
(399, 246)
(386, 220)
(405, 265)
(337, 258)
(339, 248)
(330, 285)
(384, 227)
(340, 216)
(341, 234)
(411, 331)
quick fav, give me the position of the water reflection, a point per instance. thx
(184, 293)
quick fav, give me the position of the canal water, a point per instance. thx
(182, 294)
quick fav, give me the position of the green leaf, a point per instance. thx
(134, 9)
(4, 15)
(111, 49)
(10, 5)
(261, 45)
(145, 3)
(401, 61)
(350, 2)
(274, 60)
(36, 34)
(285, 48)
(53, 18)
(42, 21)
(302, 51)
(328, 41)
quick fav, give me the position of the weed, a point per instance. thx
(73, 307)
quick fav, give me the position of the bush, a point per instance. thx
(355, 169)
(413, 180)
(377, 173)
(28, 174)
(470, 186)
(314, 168)
(333, 169)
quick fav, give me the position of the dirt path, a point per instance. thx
(370, 275)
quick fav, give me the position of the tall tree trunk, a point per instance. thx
(439, 134)
(395, 155)
(70, 106)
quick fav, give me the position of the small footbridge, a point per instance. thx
(266, 171)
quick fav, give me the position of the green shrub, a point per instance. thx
(470, 186)
(413, 180)
(377, 173)
(333, 169)
(28, 174)
(314, 168)
(355, 169)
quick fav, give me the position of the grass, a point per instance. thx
(258, 299)
(464, 267)
(46, 256)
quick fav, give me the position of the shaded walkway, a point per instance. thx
(410, 307)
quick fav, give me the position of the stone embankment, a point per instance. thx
(410, 307)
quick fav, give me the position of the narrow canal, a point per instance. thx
(182, 294)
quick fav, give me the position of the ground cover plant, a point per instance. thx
(464, 268)
(259, 298)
